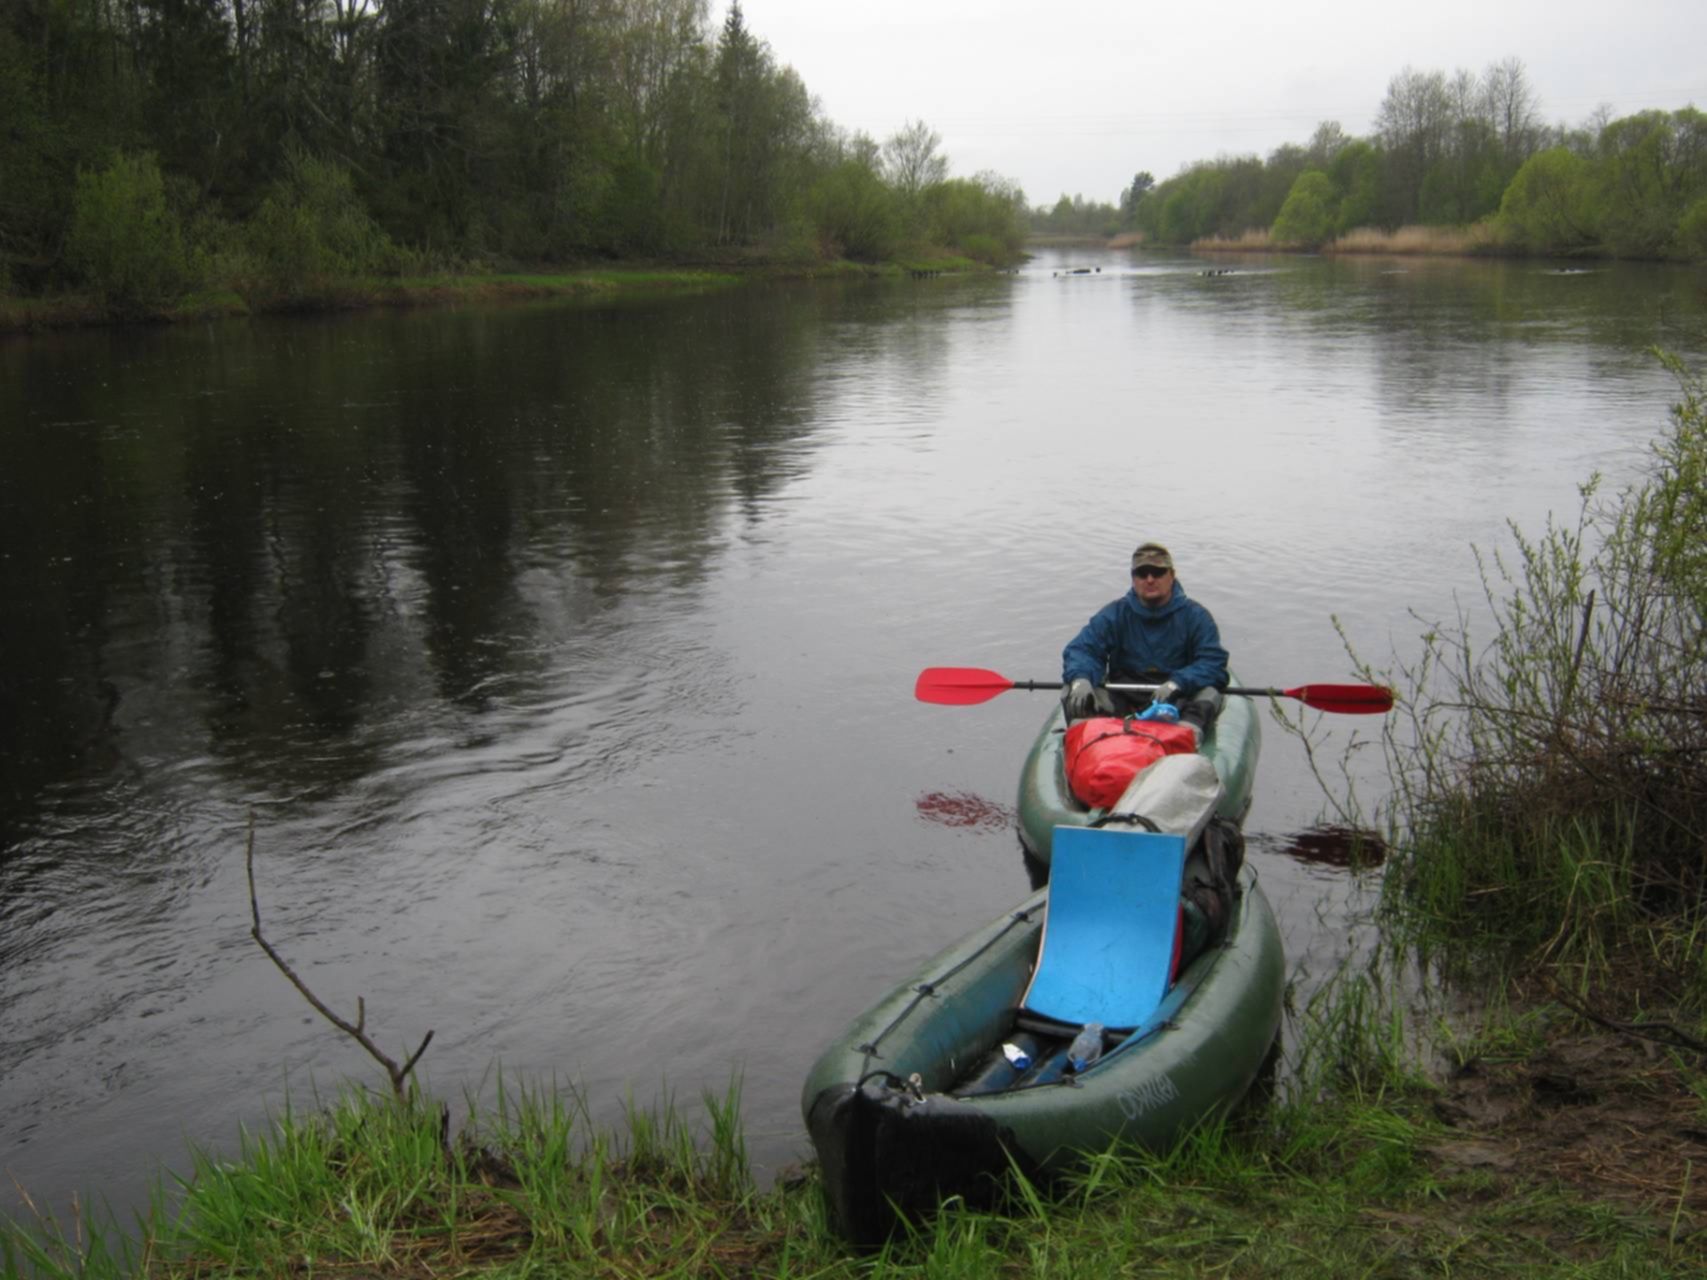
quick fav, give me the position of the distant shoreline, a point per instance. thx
(75, 310)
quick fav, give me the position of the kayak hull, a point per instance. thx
(910, 1105)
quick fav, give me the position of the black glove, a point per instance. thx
(1081, 699)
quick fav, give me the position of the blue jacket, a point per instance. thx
(1125, 641)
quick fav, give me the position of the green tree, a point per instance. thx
(191, 98)
(1414, 122)
(1280, 171)
(1190, 209)
(440, 70)
(30, 150)
(1650, 168)
(69, 97)
(1308, 218)
(659, 70)
(767, 130)
(1142, 184)
(1356, 174)
(1467, 180)
(1550, 205)
(1692, 232)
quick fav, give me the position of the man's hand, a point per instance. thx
(1167, 692)
(1081, 699)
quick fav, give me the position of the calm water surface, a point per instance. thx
(563, 654)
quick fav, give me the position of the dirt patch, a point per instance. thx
(1610, 1116)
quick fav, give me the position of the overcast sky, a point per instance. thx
(1075, 96)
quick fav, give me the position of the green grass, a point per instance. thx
(1349, 1185)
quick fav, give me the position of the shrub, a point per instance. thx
(313, 228)
(126, 242)
(963, 212)
(854, 213)
(1555, 783)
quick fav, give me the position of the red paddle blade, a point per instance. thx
(959, 686)
(1345, 699)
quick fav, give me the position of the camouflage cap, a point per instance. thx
(1153, 554)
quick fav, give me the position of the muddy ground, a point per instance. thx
(1608, 1114)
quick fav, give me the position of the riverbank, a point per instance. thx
(1553, 1146)
(1478, 241)
(74, 310)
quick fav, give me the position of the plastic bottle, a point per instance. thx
(1085, 1049)
(1016, 1055)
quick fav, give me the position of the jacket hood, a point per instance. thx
(1175, 602)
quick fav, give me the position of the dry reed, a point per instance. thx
(1480, 237)
(1250, 240)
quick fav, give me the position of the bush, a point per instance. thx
(126, 242)
(1555, 784)
(981, 218)
(854, 213)
(313, 228)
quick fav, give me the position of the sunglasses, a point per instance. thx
(1149, 571)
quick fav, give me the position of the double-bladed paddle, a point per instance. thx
(967, 686)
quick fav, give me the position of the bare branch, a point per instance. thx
(357, 1031)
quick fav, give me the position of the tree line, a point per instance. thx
(1460, 150)
(154, 145)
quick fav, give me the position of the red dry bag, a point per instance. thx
(1104, 754)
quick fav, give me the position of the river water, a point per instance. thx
(563, 653)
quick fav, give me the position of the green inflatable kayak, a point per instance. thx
(1232, 745)
(1061, 1027)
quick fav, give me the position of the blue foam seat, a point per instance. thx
(1108, 929)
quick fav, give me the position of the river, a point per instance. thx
(562, 653)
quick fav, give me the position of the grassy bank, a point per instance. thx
(1369, 1172)
(72, 310)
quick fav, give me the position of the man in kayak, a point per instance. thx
(1157, 635)
(1154, 634)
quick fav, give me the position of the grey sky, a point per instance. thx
(1076, 96)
